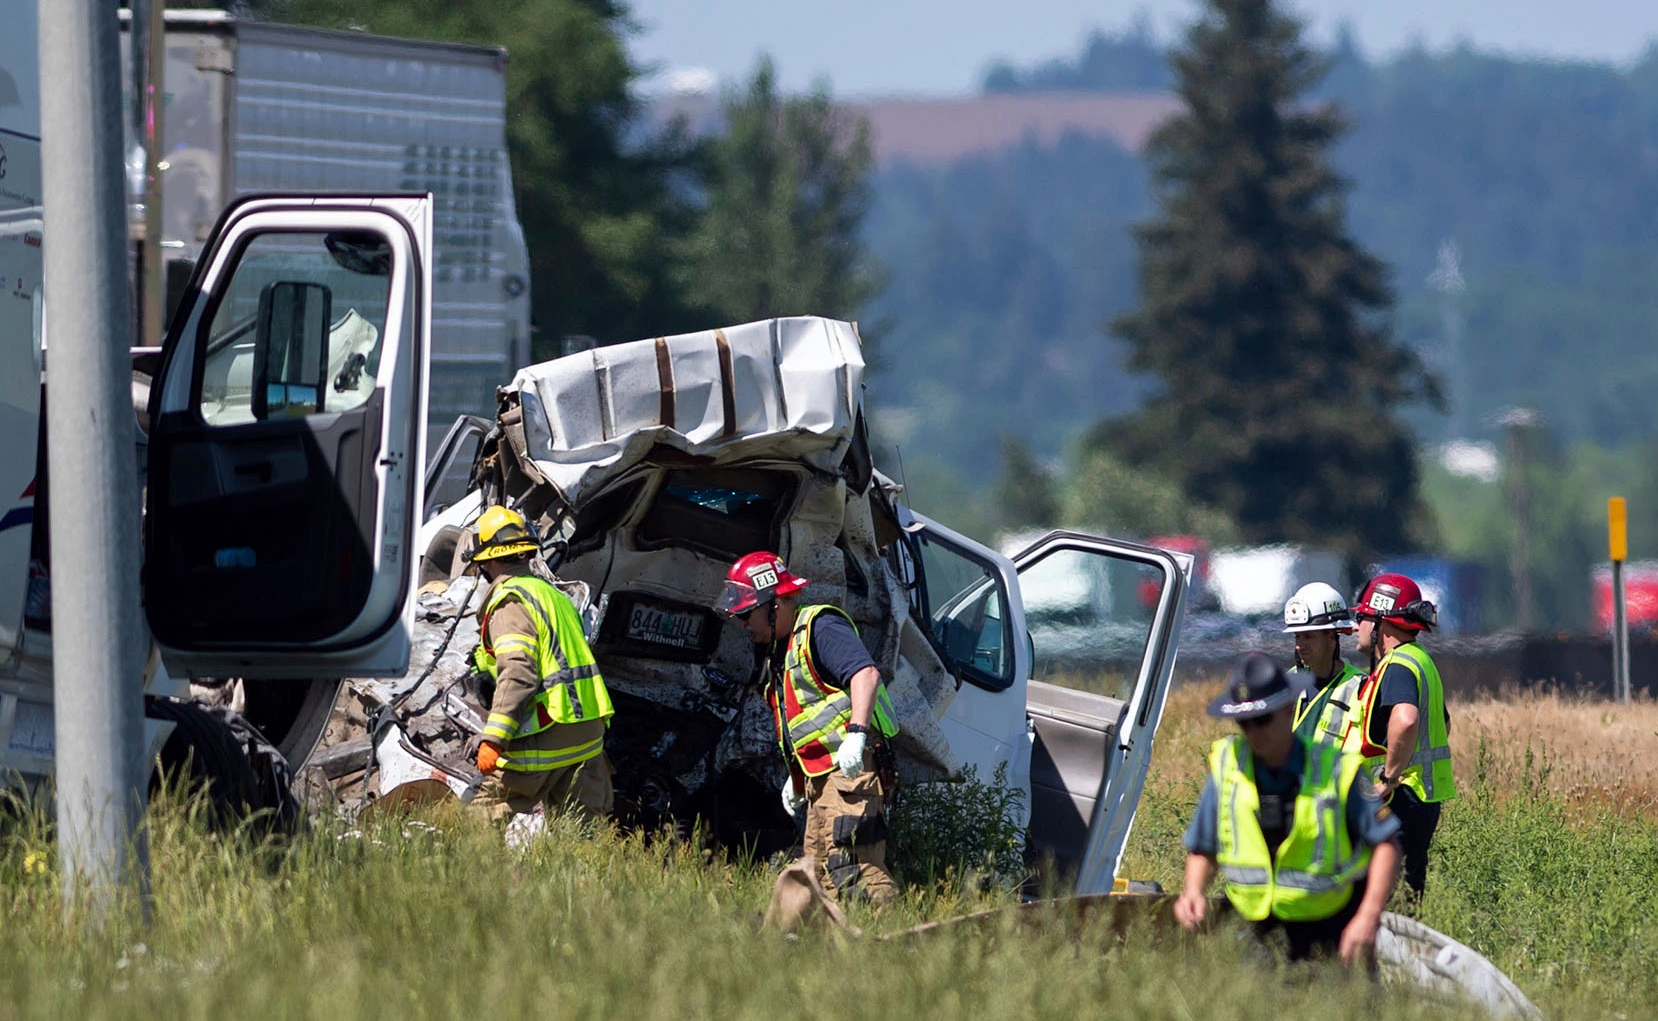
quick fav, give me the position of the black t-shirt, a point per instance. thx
(1398, 688)
(837, 650)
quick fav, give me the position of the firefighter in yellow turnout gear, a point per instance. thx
(1303, 846)
(833, 721)
(543, 743)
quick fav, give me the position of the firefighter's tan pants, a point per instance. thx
(583, 788)
(846, 831)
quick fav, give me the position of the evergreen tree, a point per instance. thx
(788, 185)
(1258, 313)
(1025, 493)
(1102, 494)
(605, 216)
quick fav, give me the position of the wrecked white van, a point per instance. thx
(648, 467)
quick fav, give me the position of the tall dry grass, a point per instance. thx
(1589, 752)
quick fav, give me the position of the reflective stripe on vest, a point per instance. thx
(812, 715)
(1316, 867)
(572, 689)
(1429, 772)
(1355, 739)
(537, 760)
(1325, 716)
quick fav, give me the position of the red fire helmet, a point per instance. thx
(756, 579)
(1397, 600)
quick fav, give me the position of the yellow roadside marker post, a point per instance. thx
(1617, 520)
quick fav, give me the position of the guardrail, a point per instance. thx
(1469, 664)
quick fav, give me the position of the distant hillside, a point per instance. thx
(939, 131)
(1540, 178)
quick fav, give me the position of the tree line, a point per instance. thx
(1035, 303)
(1537, 175)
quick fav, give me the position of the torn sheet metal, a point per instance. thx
(1429, 958)
(781, 388)
(646, 469)
(398, 763)
(417, 728)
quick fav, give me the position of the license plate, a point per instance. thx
(676, 629)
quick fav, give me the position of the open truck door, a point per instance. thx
(287, 442)
(1104, 619)
(20, 331)
(20, 363)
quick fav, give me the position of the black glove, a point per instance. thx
(482, 688)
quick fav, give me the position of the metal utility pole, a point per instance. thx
(98, 658)
(149, 61)
(1446, 278)
(1518, 421)
(1617, 521)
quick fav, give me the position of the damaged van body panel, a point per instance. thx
(647, 469)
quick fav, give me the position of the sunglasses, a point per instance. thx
(745, 615)
(1256, 721)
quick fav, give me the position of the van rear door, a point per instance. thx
(286, 445)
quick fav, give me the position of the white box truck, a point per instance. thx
(285, 435)
(259, 107)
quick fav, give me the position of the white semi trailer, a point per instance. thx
(285, 433)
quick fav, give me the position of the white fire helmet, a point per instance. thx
(1317, 607)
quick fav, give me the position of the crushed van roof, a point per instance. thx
(787, 388)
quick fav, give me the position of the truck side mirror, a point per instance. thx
(290, 360)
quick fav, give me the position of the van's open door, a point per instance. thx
(1104, 619)
(286, 445)
(969, 596)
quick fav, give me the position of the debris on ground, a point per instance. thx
(407, 739)
(1406, 950)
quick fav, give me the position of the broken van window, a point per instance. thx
(966, 606)
(714, 498)
(726, 512)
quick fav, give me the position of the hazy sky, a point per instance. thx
(942, 46)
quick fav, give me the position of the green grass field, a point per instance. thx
(431, 916)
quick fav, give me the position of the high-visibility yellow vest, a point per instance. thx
(811, 714)
(1316, 867)
(572, 689)
(1428, 773)
(1324, 716)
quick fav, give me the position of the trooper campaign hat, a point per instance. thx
(1256, 686)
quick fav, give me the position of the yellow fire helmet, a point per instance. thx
(502, 533)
